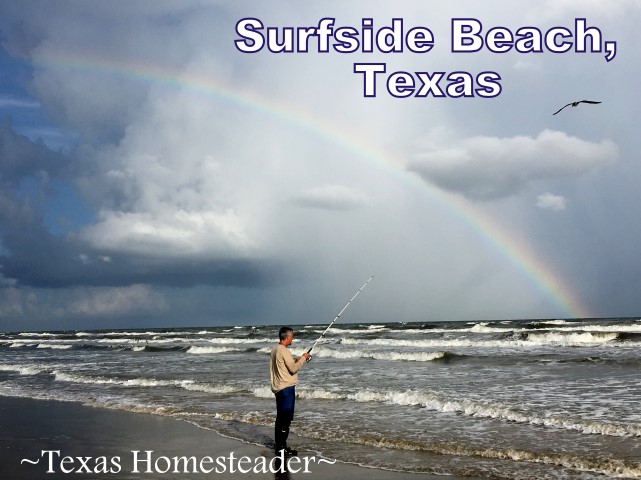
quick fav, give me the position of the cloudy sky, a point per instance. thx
(154, 175)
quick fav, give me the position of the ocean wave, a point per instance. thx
(475, 408)
(301, 392)
(249, 418)
(212, 350)
(312, 429)
(147, 383)
(432, 343)
(484, 328)
(323, 351)
(602, 328)
(227, 340)
(529, 340)
(130, 334)
(130, 345)
(85, 334)
(209, 388)
(264, 392)
(149, 334)
(123, 341)
(567, 327)
(443, 403)
(354, 331)
(55, 346)
(571, 339)
(136, 341)
(612, 467)
(39, 334)
(16, 392)
(551, 322)
(502, 327)
(632, 337)
(134, 382)
(159, 349)
(22, 369)
(395, 356)
(40, 343)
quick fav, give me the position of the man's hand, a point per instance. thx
(307, 356)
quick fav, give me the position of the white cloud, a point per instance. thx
(549, 201)
(331, 197)
(487, 168)
(170, 234)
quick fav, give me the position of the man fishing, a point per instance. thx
(284, 375)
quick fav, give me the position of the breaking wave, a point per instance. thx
(55, 346)
(311, 429)
(570, 339)
(212, 350)
(396, 356)
(23, 369)
(146, 383)
(473, 408)
(528, 340)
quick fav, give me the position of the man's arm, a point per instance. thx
(293, 365)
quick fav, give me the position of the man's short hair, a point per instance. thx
(285, 332)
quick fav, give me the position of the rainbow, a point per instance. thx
(514, 250)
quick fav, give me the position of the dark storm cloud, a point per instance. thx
(33, 256)
(20, 157)
(37, 258)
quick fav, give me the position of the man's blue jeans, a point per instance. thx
(285, 402)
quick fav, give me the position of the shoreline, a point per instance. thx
(117, 444)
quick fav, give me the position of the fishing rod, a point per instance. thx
(339, 314)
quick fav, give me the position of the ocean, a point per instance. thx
(546, 399)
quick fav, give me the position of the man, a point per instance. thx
(283, 371)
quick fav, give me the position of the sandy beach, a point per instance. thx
(28, 427)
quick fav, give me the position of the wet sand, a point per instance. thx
(105, 440)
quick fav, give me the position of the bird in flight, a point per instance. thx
(574, 104)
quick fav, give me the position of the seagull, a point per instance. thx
(574, 104)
